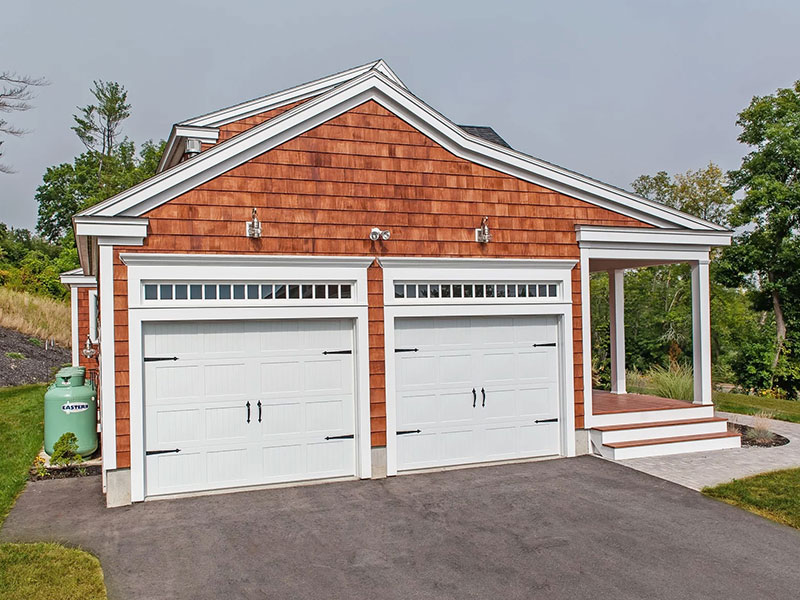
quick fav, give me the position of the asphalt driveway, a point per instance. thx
(572, 528)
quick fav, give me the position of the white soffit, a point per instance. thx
(374, 85)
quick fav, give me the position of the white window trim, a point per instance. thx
(402, 269)
(149, 266)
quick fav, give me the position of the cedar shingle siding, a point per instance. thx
(321, 192)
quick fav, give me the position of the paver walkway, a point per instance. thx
(697, 470)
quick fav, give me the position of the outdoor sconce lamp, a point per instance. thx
(482, 233)
(88, 349)
(254, 226)
(379, 234)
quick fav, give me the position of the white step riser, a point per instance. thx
(652, 416)
(673, 448)
(651, 433)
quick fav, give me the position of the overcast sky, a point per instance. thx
(612, 89)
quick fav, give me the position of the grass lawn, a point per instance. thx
(774, 495)
(35, 571)
(784, 410)
(51, 571)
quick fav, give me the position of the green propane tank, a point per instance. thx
(70, 404)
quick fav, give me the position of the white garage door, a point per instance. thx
(247, 403)
(476, 389)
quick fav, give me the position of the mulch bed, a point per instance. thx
(38, 366)
(778, 440)
(66, 473)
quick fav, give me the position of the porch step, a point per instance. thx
(670, 445)
(654, 415)
(658, 429)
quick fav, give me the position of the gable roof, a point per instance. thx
(385, 89)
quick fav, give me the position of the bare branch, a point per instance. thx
(15, 92)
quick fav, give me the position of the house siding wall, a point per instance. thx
(83, 327)
(320, 193)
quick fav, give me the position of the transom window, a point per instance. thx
(422, 291)
(247, 291)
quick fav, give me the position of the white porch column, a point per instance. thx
(616, 299)
(701, 332)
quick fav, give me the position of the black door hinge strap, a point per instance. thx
(340, 437)
(546, 420)
(151, 452)
(409, 431)
(547, 345)
(159, 358)
(337, 352)
(406, 349)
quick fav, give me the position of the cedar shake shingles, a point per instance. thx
(321, 192)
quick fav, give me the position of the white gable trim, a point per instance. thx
(284, 97)
(375, 86)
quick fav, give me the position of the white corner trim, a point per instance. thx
(374, 85)
(586, 338)
(75, 339)
(108, 410)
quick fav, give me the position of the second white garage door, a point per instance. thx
(476, 389)
(247, 402)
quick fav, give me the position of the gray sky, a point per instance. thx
(611, 89)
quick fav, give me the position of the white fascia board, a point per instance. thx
(114, 227)
(284, 97)
(375, 86)
(78, 280)
(245, 260)
(594, 236)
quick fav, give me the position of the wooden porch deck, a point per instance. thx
(605, 403)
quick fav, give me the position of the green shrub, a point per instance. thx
(65, 451)
(15, 355)
(675, 382)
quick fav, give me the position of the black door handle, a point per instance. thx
(483, 403)
(248, 410)
(474, 398)
(259, 411)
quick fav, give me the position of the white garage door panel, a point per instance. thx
(515, 384)
(198, 403)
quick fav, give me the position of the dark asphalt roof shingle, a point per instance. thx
(486, 133)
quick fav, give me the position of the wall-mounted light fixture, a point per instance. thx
(88, 348)
(379, 234)
(482, 233)
(254, 226)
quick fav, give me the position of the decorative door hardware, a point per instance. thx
(474, 398)
(151, 452)
(548, 345)
(407, 431)
(554, 420)
(159, 358)
(483, 403)
(337, 352)
(248, 410)
(259, 411)
(406, 349)
(340, 437)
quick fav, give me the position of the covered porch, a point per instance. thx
(629, 425)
